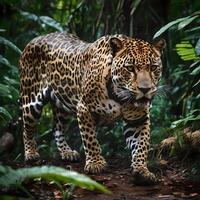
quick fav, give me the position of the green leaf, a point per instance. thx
(198, 82)
(193, 29)
(4, 61)
(2, 30)
(9, 44)
(191, 117)
(198, 96)
(8, 91)
(134, 6)
(178, 73)
(185, 22)
(167, 26)
(196, 71)
(11, 81)
(186, 51)
(29, 15)
(4, 90)
(184, 44)
(195, 64)
(5, 114)
(15, 178)
(45, 19)
(197, 47)
(51, 22)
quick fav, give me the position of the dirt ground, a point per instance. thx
(172, 185)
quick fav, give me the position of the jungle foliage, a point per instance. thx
(14, 178)
(175, 108)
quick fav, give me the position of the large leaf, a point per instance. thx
(186, 51)
(15, 178)
(9, 44)
(5, 114)
(167, 26)
(185, 22)
(44, 19)
(29, 15)
(4, 61)
(51, 22)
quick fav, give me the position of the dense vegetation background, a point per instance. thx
(175, 108)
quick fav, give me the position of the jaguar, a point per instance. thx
(114, 77)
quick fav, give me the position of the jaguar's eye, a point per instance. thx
(130, 68)
(154, 67)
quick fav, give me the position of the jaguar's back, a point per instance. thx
(52, 65)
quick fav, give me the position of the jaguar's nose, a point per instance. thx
(144, 90)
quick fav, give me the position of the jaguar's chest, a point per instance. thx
(107, 111)
(112, 109)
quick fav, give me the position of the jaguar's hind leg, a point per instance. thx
(31, 109)
(60, 118)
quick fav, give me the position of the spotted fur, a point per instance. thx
(100, 82)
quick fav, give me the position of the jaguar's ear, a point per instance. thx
(115, 44)
(159, 45)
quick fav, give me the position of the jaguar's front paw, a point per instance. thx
(95, 165)
(143, 176)
(71, 156)
(32, 157)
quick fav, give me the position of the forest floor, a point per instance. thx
(172, 185)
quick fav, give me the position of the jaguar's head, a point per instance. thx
(136, 69)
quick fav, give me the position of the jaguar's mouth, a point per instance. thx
(142, 102)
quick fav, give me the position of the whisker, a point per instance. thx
(130, 99)
(163, 91)
(124, 94)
